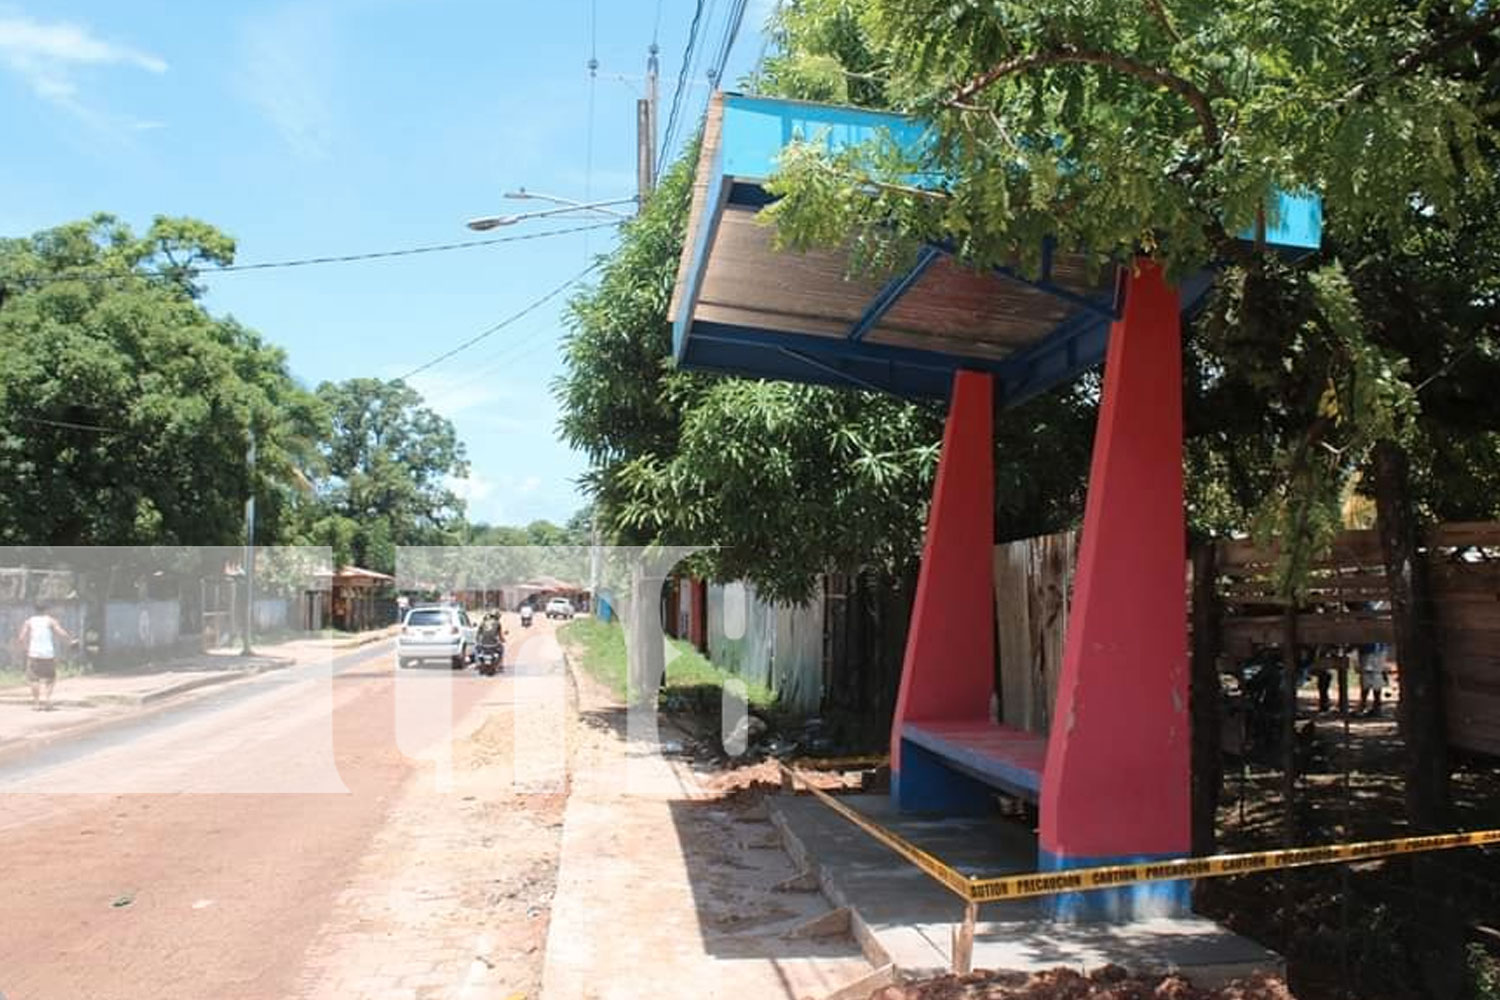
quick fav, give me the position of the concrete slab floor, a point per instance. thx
(902, 916)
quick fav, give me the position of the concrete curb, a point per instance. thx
(367, 638)
(129, 710)
(167, 691)
(273, 663)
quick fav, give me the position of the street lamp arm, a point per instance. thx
(601, 207)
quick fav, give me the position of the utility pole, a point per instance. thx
(249, 547)
(645, 128)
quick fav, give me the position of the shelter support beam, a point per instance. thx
(948, 670)
(1116, 785)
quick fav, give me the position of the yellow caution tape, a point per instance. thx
(947, 875)
(989, 890)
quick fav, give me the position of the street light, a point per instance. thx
(602, 207)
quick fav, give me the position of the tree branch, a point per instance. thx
(1070, 55)
(1444, 44)
(1158, 10)
(1433, 49)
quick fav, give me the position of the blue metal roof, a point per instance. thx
(741, 308)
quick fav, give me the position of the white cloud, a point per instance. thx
(472, 489)
(286, 56)
(48, 55)
(481, 495)
(529, 484)
(451, 396)
(60, 43)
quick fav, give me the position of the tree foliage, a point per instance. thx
(1115, 127)
(385, 478)
(1167, 129)
(125, 408)
(781, 481)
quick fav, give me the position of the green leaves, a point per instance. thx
(125, 408)
(1120, 126)
(386, 464)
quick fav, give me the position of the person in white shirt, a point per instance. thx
(39, 637)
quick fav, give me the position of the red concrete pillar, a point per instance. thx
(948, 670)
(1116, 784)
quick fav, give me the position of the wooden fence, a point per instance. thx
(1465, 574)
(1033, 585)
(1344, 607)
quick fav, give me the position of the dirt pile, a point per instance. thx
(1109, 983)
(750, 782)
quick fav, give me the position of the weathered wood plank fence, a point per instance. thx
(1344, 606)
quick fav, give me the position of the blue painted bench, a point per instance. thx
(950, 766)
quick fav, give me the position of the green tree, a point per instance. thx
(782, 480)
(125, 407)
(1167, 129)
(387, 463)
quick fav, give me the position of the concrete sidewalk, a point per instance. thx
(82, 702)
(666, 892)
(79, 702)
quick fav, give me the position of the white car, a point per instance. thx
(435, 633)
(559, 608)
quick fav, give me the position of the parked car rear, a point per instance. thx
(435, 633)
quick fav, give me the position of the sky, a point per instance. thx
(329, 127)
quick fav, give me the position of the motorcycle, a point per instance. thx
(489, 660)
(526, 618)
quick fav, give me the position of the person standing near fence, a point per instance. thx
(39, 637)
(1372, 667)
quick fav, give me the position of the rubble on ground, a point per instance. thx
(750, 782)
(1108, 983)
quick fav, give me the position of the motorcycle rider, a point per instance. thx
(491, 636)
(491, 642)
(526, 614)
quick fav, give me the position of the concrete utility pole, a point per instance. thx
(645, 129)
(249, 548)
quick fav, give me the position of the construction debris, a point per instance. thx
(1108, 983)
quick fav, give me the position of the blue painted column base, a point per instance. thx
(926, 784)
(1128, 903)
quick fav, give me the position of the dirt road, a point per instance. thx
(227, 853)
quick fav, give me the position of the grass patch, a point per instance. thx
(602, 649)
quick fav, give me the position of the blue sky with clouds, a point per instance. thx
(343, 126)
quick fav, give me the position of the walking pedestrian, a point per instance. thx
(39, 637)
(1372, 667)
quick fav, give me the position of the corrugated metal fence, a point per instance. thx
(778, 647)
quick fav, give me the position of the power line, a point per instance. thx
(708, 19)
(682, 76)
(68, 424)
(507, 321)
(726, 42)
(309, 261)
(588, 155)
(512, 352)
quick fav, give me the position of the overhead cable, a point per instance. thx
(682, 82)
(208, 272)
(507, 321)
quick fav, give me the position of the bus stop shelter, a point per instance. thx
(1111, 778)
